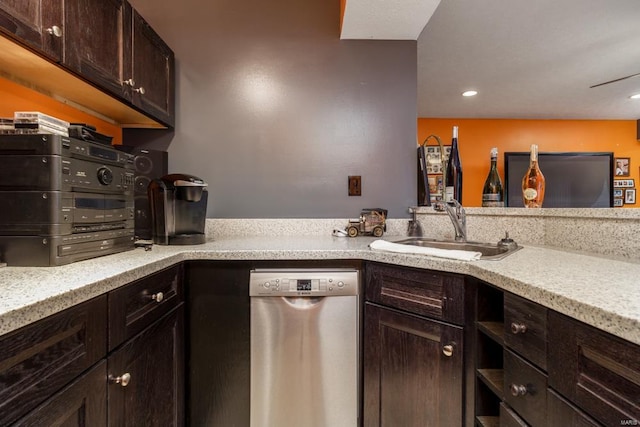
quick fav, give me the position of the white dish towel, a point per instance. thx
(383, 245)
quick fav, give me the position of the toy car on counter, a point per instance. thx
(371, 222)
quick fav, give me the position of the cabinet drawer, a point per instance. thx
(525, 325)
(38, 360)
(598, 372)
(82, 403)
(525, 389)
(562, 413)
(508, 418)
(433, 294)
(135, 306)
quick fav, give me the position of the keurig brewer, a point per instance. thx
(178, 209)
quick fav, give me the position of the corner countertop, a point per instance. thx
(599, 291)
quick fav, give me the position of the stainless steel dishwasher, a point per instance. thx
(305, 344)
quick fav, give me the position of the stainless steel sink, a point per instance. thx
(489, 251)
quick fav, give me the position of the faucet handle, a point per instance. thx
(439, 206)
(507, 242)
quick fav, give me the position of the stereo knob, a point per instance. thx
(105, 176)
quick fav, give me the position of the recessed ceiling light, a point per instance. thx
(470, 93)
(636, 96)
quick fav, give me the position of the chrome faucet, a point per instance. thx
(414, 229)
(458, 217)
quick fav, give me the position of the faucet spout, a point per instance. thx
(457, 215)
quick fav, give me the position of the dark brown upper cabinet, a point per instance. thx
(36, 23)
(110, 44)
(153, 85)
(105, 43)
(97, 42)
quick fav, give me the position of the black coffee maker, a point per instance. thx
(178, 209)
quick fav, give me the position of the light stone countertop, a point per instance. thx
(599, 291)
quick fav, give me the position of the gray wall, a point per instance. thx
(274, 111)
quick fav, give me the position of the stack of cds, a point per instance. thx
(33, 121)
(6, 125)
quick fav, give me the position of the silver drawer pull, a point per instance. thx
(157, 297)
(518, 390)
(140, 90)
(129, 82)
(518, 328)
(122, 380)
(55, 31)
(447, 350)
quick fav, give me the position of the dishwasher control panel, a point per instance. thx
(304, 283)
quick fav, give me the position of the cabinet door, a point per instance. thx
(146, 376)
(37, 23)
(95, 42)
(411, 375)
(596, 371)
(153, 72)
(81, 404)
(38, 360)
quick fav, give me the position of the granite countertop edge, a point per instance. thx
(598, 291)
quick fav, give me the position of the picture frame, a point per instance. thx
(618, 193)
(630, 196)
(623, 183)
(622, 166)
(618, 203)
(435, 159)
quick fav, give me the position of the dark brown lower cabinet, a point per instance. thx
(58, 371)
(40, 359)
(80, 404)
(562, 413)
(413, 370)
(598, 372)
(146, 376)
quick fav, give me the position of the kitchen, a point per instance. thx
(358, 137)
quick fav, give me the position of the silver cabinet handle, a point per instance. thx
(157, 297)
(55, 31)
(140, 90)
(122, 380)
(518, 390)
(447, 350)
(518, 328)
(129, 82)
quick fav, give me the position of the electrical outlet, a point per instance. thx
(355, 185)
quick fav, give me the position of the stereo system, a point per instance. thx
(63, 199)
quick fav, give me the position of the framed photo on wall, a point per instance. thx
(617, 183)
(630, 196)
(618, 202)
(622, 166)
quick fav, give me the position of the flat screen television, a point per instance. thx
(573, 180)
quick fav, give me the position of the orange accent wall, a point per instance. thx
(14, 97)
(476, 137)
(343, 5)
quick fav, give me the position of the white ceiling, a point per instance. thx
(527, 59)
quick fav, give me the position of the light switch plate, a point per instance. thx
(355, 185)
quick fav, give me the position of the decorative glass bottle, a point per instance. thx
(533, 182)
(493, 192)
(453, 177)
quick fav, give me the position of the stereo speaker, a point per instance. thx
(149, 165)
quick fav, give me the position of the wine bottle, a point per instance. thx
(533, 182)
(492, 192)
(453, 176)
